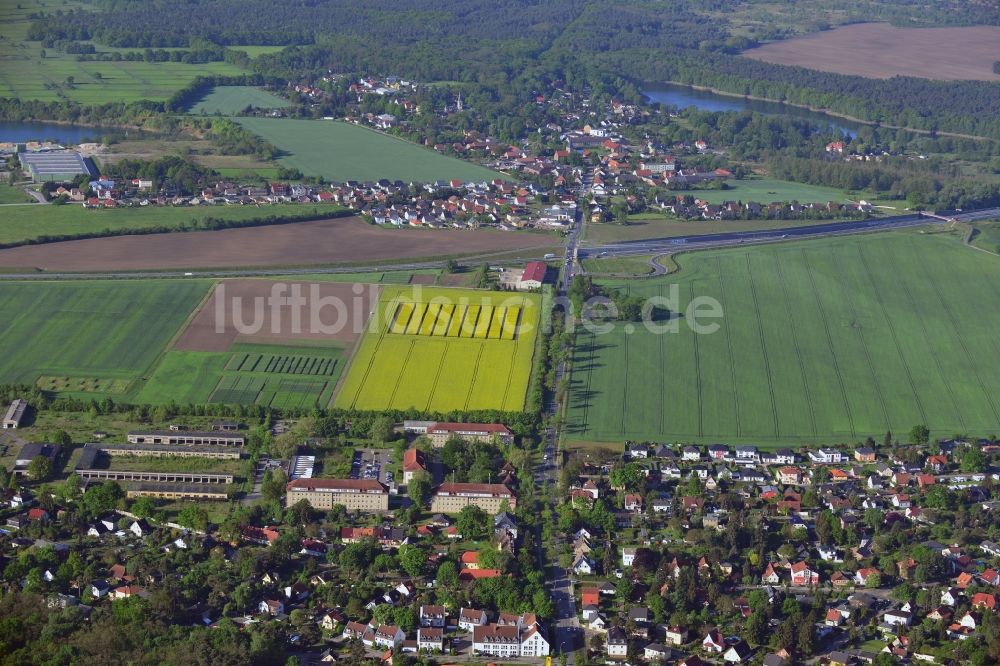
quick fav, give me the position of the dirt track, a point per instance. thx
(330, 312)
(879, 50)
(339, 240)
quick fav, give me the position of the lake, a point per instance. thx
(684, 96)
(23, 131)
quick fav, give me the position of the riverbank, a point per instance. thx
(821, 110)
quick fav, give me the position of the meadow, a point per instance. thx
(435, 361)
(986, 236)
(31, 71)
(10, 194)
(230, 100)
(821, 341)
(766, 190)
(654, 224)
(340, 151)
(23, 223)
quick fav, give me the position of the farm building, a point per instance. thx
(189, 438)
(353, 494)
(533, 276)
(161, 451)
(56, 165)
(15, 414)
(440, 433)
(31, 451)
(175, 491)
(453, 497)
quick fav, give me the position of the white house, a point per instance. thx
(714, 642)
(470, 618)
(617, 643)
(271, 607)
(432, 616)
(691, 453)
(430, 639)
(826, 456)
(628, 555)
(583, 566)
(385, 636)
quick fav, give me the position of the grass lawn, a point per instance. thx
(9, 194)
(621, 266)
(986, 235)
(26, 74)
(158, 464)
(821, 341)
(766, 190)
(340, 151)
(230, 100)
(21, 223)
(431, 365)
(106, 330)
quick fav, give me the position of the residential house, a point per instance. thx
(737, 653)
(628, 555)
(470, 618)
(430, 639)
(432, 616)
(714, 642)
(803, 576)
(616, 644)
(676, 636)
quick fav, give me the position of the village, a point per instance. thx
(676, 554)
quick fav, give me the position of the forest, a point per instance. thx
(515, 45)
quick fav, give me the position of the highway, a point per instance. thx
(656, 246)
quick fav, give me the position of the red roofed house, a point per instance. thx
(964, 580)
(38, 514)
(469, 560)
(263, 536)
(533, 276)
(590, 596)
(984, 600)
(803, 576)
(477, 574)
(413, 462)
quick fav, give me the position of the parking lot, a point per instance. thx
(372, 464)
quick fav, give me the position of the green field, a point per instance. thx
(340, 151)
(444, 358)
(986, 236)
(106, 330)
(767, 190)
(654, 224)
(10, 194)
(821, 341)
(230, 100)
(21, 223)
(26, 74)
(97, 339)
(279, 376)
